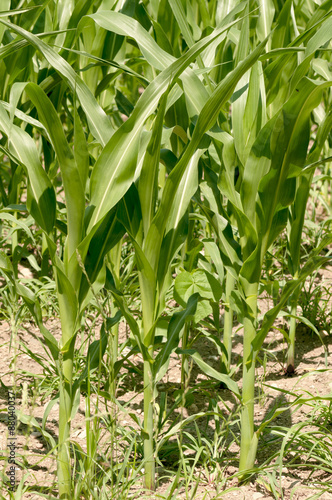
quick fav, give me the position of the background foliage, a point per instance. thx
(162, 166)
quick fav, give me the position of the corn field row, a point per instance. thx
(163, 165)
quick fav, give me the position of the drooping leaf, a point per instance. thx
(211, 372)
(41, 196)
(173, 334)
(100, 125)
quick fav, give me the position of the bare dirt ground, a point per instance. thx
(312, 378)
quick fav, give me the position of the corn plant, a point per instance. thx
(271, 153)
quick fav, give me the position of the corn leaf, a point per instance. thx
(99, 123)
(211, 372)
(74, 191)
(173, 335)
(41, 196)
(110, 182)
(205, 121)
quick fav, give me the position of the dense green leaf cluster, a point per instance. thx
(172, 142)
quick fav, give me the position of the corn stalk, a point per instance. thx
(266, 193)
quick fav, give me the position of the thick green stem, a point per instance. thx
(113, 357)
(147, 291)
(292, 334)
(13, 339)
(149, 460)
(45, 257)
(184, 364)
(228, 323)
(114, 259)
(15, 245)
(248, 442)
(68, 326)
(65, 407)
